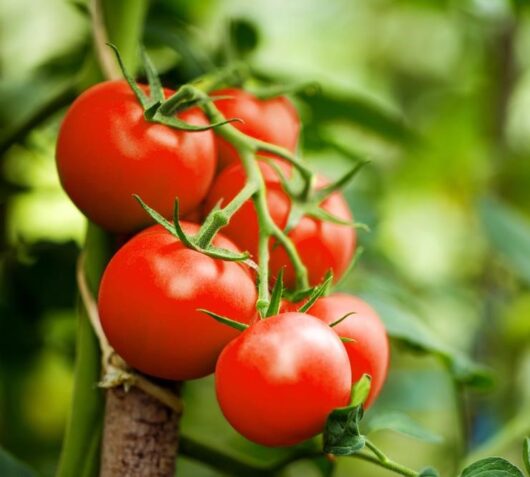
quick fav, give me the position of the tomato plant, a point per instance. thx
(107, 151)
(273, 120)
(148, 302)
(322, 245)
(277, 382)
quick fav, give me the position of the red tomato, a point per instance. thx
(277, 382)
(272, 120)
(148, 302)
(369, 353)
(322, 245)
(107, 151)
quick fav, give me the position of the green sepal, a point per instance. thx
(276, 296)
(341, 434)
(175, 123)
(155, 86)
(318, 292)
(345, 339)
(237, 325)
(360, 390)
(158, 218)
(177, 231)
(140, 95)
(341, 319)
(321, 214)
(327, 190)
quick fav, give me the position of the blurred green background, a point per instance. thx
(435, 93)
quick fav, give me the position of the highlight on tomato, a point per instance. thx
(149, 299)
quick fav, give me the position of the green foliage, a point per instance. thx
(10, 467)
(492, 467)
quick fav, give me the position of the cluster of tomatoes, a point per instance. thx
(277, 380)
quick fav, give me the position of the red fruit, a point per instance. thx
(322, 245)
(277, 382)
(271, 120)
(369, 352)
(107, 151)
(148, 302)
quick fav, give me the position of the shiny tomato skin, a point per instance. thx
(148, 301)
(369, 352)
(272, 120)
(322, 245)
(277, 382)
(107, 151)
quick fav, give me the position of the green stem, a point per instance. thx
(382, 460)
(247, 147)
(220, 218)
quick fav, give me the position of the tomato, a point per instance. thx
(369, 353)
(322, 245)
(272, 120)
(148, 301)
(277, 382)
(107, 151)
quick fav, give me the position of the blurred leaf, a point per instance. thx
(327, 106)
(21, 111)
(10, 467)
(492, 467)
(403, 424)
(404, 326)
(429, 472)
(509, 234)
(244, 36)
(526, 454)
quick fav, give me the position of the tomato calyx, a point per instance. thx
(193, 242)
(157, 109)
(307, 201)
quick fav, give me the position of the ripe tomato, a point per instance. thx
(322, 245)
(277, 382)
(148, 302)
(107, 151)
(369, 353)
(272, 120)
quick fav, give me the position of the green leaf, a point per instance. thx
(509, 233)
(276, 295)
(526, 454)
(492, 467)
(360, 390)
(403, 424)
(11, 467)
(341, 434)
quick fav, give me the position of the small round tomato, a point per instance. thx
(107, 151)
(272, 120)
(322, 246)
(149, 297)
(278, 381)
(369, 352)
